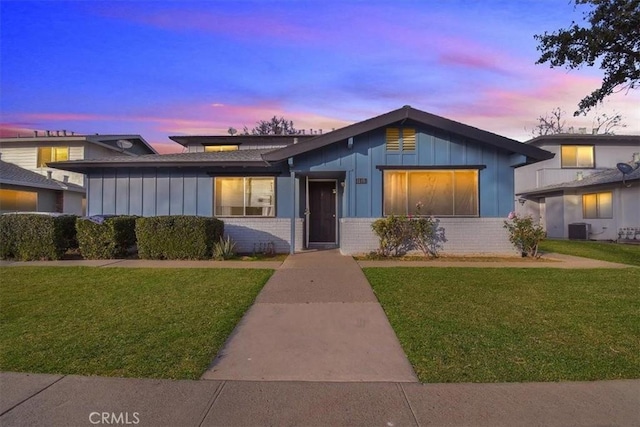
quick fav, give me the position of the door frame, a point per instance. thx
(308, 213)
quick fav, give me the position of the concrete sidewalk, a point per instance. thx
(53, 400)
(143, 263)
(316, 319)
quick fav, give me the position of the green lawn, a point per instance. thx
(164, 323)
(511, 325)
(605, 251)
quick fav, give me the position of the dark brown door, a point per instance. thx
(322, 208)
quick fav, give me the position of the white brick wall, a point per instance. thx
(250, 233)
(467, 236)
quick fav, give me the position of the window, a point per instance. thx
(439, 192)
(52, 154)
(18, 201)
(597, 205)
(577, 156)
(253, 196)
(220, 147)
(401, 139)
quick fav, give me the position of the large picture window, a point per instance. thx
(248, 196)
(18, 201)
(577, 156)
(52, 154)
(438, 192)
(597, 205)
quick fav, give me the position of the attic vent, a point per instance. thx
(408, 139)
(393, 139)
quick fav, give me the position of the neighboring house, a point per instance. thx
(581, 188)
(304, 191)
(33, 154)
(22, 190)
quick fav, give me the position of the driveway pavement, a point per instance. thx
(316, 319)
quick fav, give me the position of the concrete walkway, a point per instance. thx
(54, 400)
(316, 319)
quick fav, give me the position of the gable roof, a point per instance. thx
(12, 174)
(239, 139)
(606, 176)
(587, 139)
(243, 158)
(139, 144)
(408, 113)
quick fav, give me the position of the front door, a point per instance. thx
(322, 210)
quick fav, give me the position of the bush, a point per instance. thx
(399, 234)
(224, 249)
(32, 237)
(524, 234)
(106, 238)
(177, 237)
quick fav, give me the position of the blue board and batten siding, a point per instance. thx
(153, 192)
(432, 149)
(189, 191)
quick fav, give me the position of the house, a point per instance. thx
(27, 183)
(22, 190)
(302, 191)
(580, 193)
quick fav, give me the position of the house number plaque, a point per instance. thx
(361, 180)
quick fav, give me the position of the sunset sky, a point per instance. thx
(160, 68)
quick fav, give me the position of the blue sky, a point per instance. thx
(171, 68)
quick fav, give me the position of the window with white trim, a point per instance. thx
(52, 154)
(244, 196)
(577, 156)
(443, 192)
(597, 205)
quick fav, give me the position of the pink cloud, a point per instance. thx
(237, 25)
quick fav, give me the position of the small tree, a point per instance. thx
(524, 234)
(275, 126)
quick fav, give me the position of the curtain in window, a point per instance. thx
(229, 196)
(395, 193)
(438, 192)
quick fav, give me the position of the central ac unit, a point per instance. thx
(579, 231)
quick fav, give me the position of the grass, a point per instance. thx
(512, 325)
(165, 323)
(605, 251)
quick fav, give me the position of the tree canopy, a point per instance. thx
(612, 37)
(275, 126)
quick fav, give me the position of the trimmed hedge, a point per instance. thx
(108, 239)
(32, 237)
(177, 237)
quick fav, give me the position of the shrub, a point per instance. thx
(393, 232)
(177, 237)
(427, 235)
(224, 249)
(32, 237)
(524, 234)
(399, 234)
(105, 238)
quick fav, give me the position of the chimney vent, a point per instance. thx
(65, 178)
(35, 133)
(48, 133)
(64, 132)
(594, 131)
(49, 174)
(57, 133)
(579, 175)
